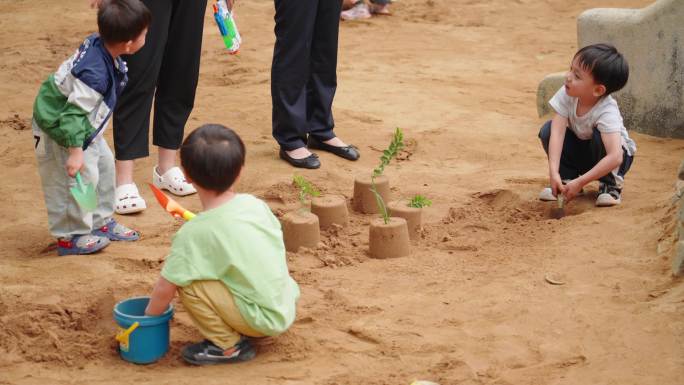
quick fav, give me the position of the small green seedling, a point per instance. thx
(419, 201)
(381, 203)
(306, 189)
(391, 152)
(395, 146)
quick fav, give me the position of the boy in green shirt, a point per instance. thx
(228, 263)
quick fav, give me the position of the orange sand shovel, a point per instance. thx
(170, 205)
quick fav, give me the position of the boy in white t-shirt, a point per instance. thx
(586, 139)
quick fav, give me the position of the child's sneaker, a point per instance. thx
(608, 196)
(116, 232)
(81, 244)
(357, 12)
(207, 353)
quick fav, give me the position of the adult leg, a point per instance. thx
(132, 113)
(294, 28)
(322, 80)
(322, 83)
(178, 76)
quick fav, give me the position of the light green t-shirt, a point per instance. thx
(239, 243)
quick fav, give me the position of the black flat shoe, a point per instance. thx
(348, 152)
(310, 161)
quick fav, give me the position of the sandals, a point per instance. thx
(97, 240)
(116, 232)
(81, 244)
(173, 181)
(128, 199)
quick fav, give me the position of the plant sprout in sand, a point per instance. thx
(381, 204)
(306, 189)
(395, 146)
(391, 152)
(419, 201)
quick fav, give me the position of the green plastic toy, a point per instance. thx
(85, 194)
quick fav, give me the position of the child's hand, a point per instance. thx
(557, 186)
(74, 162)
(572, 189)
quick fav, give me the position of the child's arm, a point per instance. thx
(612, 141)
(162, 294)
(558, 126)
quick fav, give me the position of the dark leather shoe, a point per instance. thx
(348, 152)
(310, 161)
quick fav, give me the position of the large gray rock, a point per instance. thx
(547, 88)
(652, 40)
(678, 261)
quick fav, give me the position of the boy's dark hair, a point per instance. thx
(212, 156)
(606, 65)
(122, 20)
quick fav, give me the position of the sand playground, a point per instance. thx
(469, 305)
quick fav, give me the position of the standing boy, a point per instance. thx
(70, 113)
(586, 140)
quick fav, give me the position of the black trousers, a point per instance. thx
(579, 156)
(166, 69)
(304, 70)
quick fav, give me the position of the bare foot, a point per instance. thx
(299, 153)
(337, 142)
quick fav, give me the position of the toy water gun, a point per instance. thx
(170, 205)
(227, 27)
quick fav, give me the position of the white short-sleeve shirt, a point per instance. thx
(605, 116)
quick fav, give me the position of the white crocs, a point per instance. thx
(173, 181)
(128, 199)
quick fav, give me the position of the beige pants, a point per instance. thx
(213, 310)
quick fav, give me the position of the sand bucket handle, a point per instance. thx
(123, 335)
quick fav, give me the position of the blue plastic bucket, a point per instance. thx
(147, 341)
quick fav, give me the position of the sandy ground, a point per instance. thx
(469, 306)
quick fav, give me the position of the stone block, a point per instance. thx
(652, 40)
(547, 88)
(678, 261)
(679, 189)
